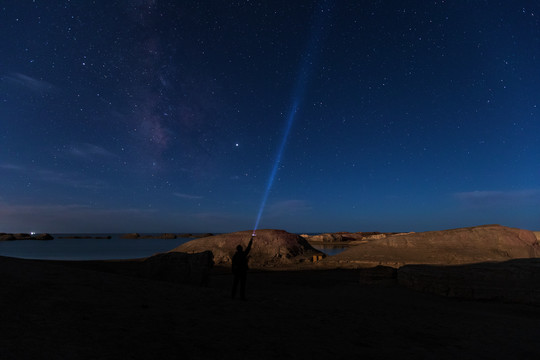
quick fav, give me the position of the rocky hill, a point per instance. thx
(270, 247)
(447, 247)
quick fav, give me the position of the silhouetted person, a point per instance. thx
(240, 268)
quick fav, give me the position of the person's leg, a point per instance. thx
(243, 286)
(235, 285)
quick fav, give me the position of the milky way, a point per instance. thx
(168, 116)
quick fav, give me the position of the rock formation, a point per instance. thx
(457, 246)
(270, 247)
(514, 280)
(178, 267)
(24, 236)
(327, 238)
(166, 236)
(174, 267)
(343, 236)
(131, 236)
(85, 237)
(375, 237)
(43, 237)
(203, 235)
(158, 236)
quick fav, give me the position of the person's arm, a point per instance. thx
(248, 249)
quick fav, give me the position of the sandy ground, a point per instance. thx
(50, 311)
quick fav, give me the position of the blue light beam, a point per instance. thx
(299, 90)
(290, 121)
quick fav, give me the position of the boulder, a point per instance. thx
(178, 267)
(131, 236)
(514, 280)
(270, 247)
(448, 247)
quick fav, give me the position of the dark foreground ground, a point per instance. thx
(50, 311)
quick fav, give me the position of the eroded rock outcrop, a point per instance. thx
(328, 238)
(22, 236)
(270, 247)
(343, 236)
(448, 247)
(43, 237)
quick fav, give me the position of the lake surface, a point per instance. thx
(100, 249)
(88, 249)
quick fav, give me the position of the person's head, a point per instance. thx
(239, 248)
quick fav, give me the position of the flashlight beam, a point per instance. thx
(290, 121)
(320, 21)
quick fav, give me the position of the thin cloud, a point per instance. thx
(69, 179)
(28, 82)
(90, 151)
(10, 209)
(12, 167)
(187, 196)
(56, 177)
(70, 218)
(491, 198)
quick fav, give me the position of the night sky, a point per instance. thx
(167, 116)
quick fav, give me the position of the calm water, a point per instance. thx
(88, 249)
(100, 249)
